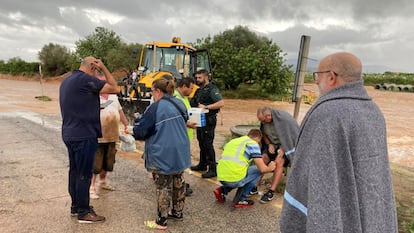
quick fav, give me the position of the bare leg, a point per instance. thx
(93, 180)
(102, 176)
(277, 176)
(92, 190)
(103, 182)
(278, 173)
(266, 160)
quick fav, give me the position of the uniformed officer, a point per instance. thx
(208, 96)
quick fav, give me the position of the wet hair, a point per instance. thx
(86, 61)
(264, 111)
(165, 84)
(254, 133)
(185, 82)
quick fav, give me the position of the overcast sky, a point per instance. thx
(380, 32)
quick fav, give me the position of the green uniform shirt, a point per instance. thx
(209, 94)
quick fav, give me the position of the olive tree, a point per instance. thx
(239, 55)
(122, 59)
(98, 44)
(54, 59)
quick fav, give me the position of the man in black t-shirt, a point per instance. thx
(81, 128)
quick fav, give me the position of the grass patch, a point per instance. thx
(43, 98)
(405, 217)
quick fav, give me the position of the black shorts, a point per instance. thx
(272, 156)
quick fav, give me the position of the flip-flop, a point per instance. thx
(107, 187)
(93, 195)
(154, 225)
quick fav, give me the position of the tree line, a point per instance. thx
(238, 56)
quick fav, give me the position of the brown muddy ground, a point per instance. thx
(18, 94)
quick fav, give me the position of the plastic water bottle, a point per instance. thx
(203, 119)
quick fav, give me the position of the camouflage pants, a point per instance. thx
(170, 189)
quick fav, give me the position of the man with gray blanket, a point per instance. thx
(280, 131)
(340, 178)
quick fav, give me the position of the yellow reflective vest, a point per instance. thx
(186, 102)
(233, 164)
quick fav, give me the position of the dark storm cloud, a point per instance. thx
(378, 31)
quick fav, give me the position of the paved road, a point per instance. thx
(34, 198)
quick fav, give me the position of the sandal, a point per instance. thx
(107, 186)
(93, 194)
(154, 225)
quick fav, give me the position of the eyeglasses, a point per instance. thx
(316, 74)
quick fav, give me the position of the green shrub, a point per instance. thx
(373, 79)
(405, 217)
(395, 78)
(252, 91)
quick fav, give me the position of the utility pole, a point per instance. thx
(300, 73)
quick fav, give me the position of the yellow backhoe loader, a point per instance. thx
(173, 58)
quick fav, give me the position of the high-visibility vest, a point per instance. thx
(233, 164)
(186, 102)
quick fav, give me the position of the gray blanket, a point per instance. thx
(287, 131)
(340, 177)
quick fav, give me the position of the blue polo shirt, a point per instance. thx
(80, 107)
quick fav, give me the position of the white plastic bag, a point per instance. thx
(127, 142)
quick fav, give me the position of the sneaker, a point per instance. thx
(161, 221)
(219, 194)
(176, 217)
(188, 190)
(268, 196)
(74, 211)
(244, 204)
(91, 217)
(253, 191)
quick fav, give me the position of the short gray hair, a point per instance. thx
(264, 110)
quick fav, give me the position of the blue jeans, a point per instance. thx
(81, 160)
(247, 183)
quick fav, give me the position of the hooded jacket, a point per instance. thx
(340, 178)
